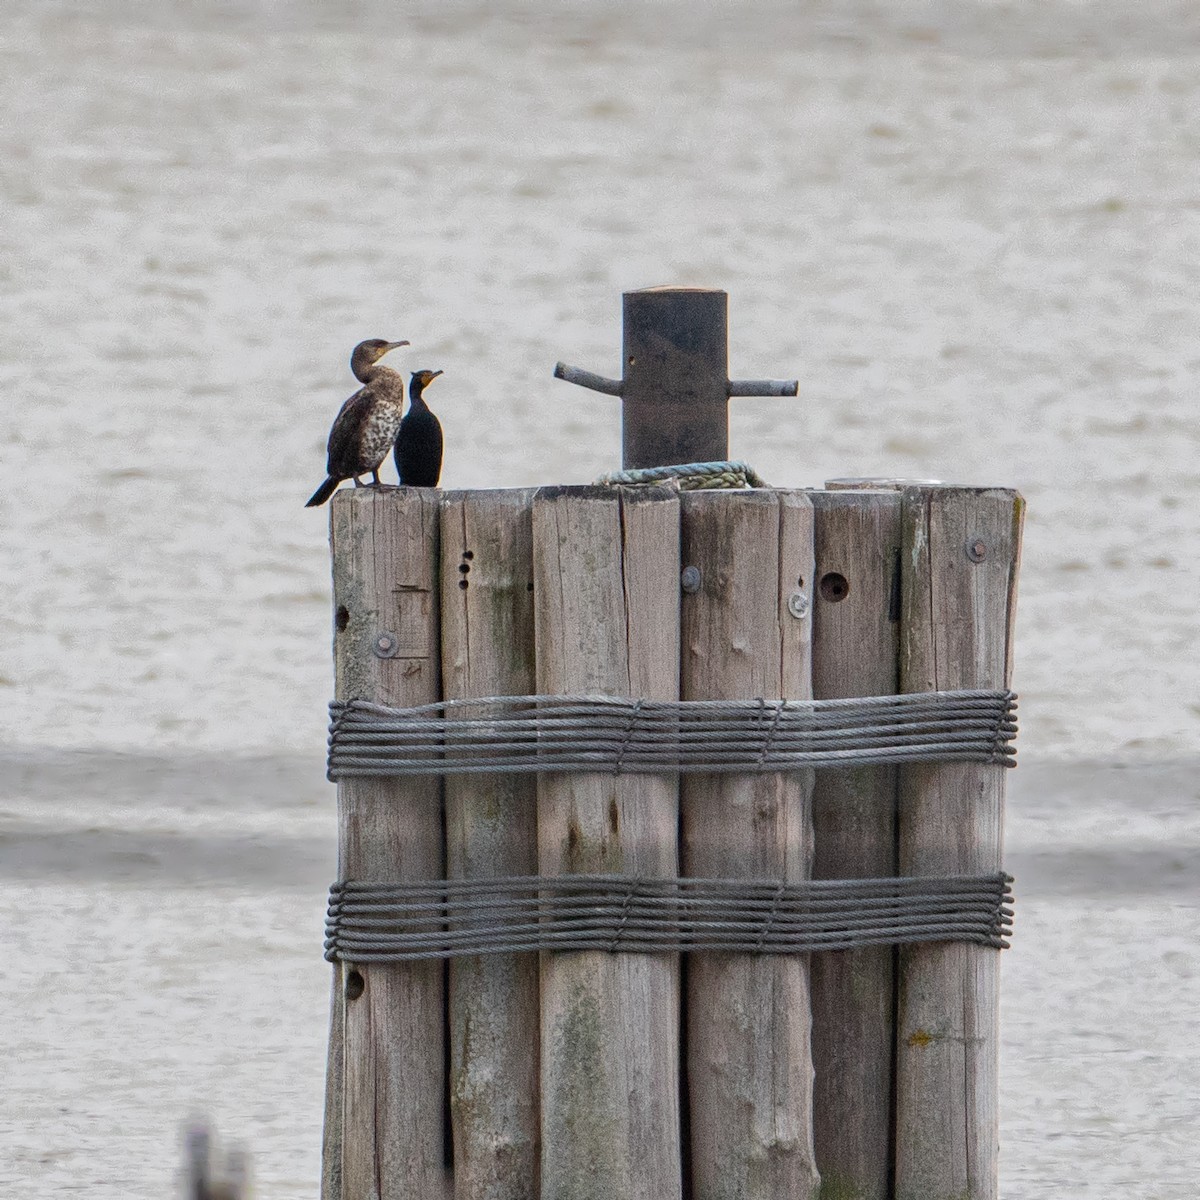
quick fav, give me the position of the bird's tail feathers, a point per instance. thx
(323, 492)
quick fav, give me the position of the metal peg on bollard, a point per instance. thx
(676, 389)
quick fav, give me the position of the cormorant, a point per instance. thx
(419, 442)
(365, 428)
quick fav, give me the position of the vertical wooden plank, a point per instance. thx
(491, 830)
(385, 562)
(961, 549)
(855, 627)
(331, 1132)
(606, 590)
(748, 1020)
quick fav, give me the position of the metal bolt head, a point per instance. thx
(689, 579)
(798, 605)
(386, 644)
(977, 549)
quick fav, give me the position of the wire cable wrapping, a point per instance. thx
(396, 922)
(637, 736)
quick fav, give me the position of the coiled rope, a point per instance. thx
(690, 477)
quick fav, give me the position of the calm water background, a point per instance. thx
(971, 230)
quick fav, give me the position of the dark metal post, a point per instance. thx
(676, 387)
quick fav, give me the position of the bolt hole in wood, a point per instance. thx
(834, 587)
(342, 617)
(355, 985)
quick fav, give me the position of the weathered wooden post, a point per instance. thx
(747, 633)
(856, 602)
(386, 1086)
(491, 831)
(959, 562)
(626, 752)
(606, 577)
(951, 597)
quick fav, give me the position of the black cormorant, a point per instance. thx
(366, 427)
(419, 442)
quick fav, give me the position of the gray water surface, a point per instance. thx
(971, 230)
(165, 919)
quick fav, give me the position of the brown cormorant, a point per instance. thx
(366, 427)
(419, 442)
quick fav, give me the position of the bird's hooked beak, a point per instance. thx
(393, 346)
(434, 374)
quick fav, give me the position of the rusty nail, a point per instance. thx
(977, 549)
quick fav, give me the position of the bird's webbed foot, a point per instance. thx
(375, 477)
(358, 482)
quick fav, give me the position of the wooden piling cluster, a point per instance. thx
(865, 1073)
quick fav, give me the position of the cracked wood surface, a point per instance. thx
(491, 830)
(856, 623)
(749, 1065)
(384, 1136)
(956, 632)
(606, 586)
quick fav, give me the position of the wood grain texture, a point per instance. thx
(606, 589)
(331, 1130)
(385, 566)
(749, 1061)
(956, 632)
(856, 624)
(491, 830)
